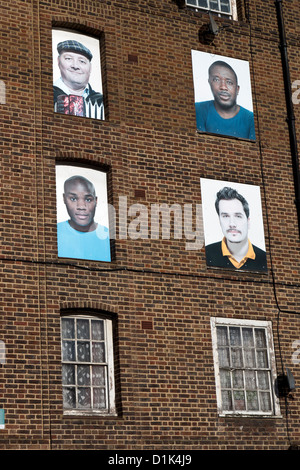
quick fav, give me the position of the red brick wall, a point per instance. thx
(165, 382)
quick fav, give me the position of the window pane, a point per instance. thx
(252, 401)
(248, 340)
(67, 326)
(224, 360)
(69, 399)
(250, 380)
(265, 401)
(83, 351)
(262, 359)
(68, 374)
(98, 352)
(237, 379)
(83, 329)
(225, 379)
(98, 375)
(239, 401)
(214, 5)
(260, 337)
(202, 3)
(263, 380)
(236, 357)
(225, 6)
(226, 400)
(84, 397)
(83, 375)
(235, 336)
(98, 330)
(249, 356)
(68, 351)
(191, 2)
(99, 398)
(222, 338)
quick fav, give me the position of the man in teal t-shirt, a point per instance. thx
(80, 236)
(223, 115)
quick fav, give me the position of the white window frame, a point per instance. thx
(267, 326)
(232, 14)
(110, 409)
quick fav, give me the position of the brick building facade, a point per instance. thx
(160, 303)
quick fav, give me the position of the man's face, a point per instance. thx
(81, 202)
(233, 220)
(75, 69)
(223, 86)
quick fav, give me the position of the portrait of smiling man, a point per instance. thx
(75, 68)
(235, 250)
(80, 236)
(72, 90)
(223, 114)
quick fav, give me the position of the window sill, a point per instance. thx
(86, 413)
(248, 415)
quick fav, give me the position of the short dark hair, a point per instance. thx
(82, 180)
(229, 194)
(221, 63)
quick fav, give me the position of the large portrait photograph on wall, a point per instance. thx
(223, 96)
(233, 226)
(77, 80)
(82, 213)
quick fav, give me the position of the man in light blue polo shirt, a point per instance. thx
(80, 236)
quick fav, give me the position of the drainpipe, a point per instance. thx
(289, 105)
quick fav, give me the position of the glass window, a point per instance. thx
(244, 367)
(87, 364)
(223, 7)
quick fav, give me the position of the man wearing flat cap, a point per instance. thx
(72, 92)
